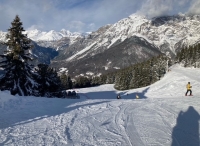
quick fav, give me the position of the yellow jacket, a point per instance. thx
(188, 87)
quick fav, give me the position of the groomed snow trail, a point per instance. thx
(106, 122)
(161, 117)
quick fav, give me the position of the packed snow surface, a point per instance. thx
(162, 116)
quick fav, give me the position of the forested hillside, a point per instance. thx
(138, 75)
(150, 71)
(189, 56)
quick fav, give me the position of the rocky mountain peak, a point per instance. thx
(167, 34)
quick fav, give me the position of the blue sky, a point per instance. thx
(86, 15)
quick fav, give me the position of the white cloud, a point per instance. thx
(74, 15)
(154, 8)
(91, 27)
(76, 25)
(86, 15)
(195, 8)
(32, 27)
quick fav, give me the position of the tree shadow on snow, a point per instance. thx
(66, 106)
(186, 131)
(26, 110)
(34, 110)
(113, 95)
(99, 95)
(140, 95)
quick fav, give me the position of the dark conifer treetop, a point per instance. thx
(17, 41)
(18, 77)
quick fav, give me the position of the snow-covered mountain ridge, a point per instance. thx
(168, 31)
(52, 35)
(128, 39)
(169, 34)
(52, 39)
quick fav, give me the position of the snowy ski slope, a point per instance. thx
(162, 116)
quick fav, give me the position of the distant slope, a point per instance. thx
(172, 85)
(40, 54)
(130, 51)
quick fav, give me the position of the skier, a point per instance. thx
(118, 96)
(188, 86)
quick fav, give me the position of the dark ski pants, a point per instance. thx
(188, 91)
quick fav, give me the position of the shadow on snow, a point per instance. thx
(186, 131)
(141, 95)
(113, 94)
(23, 110)
(28, 109)
(48, 111)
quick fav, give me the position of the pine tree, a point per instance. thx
(118, 80)
(66, 81)
(110, 78)
(49, 82)
(18, 77)
(103, 79)
(95, 81)
(82, 82)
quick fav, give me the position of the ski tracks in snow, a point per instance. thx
(142, 122)
(138, 131)
(119, 124)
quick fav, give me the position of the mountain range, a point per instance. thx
(129, 41)
(114, 46)
(37, 35)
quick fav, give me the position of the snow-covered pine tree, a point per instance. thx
(15, 61)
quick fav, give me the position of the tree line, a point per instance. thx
(136, 76)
